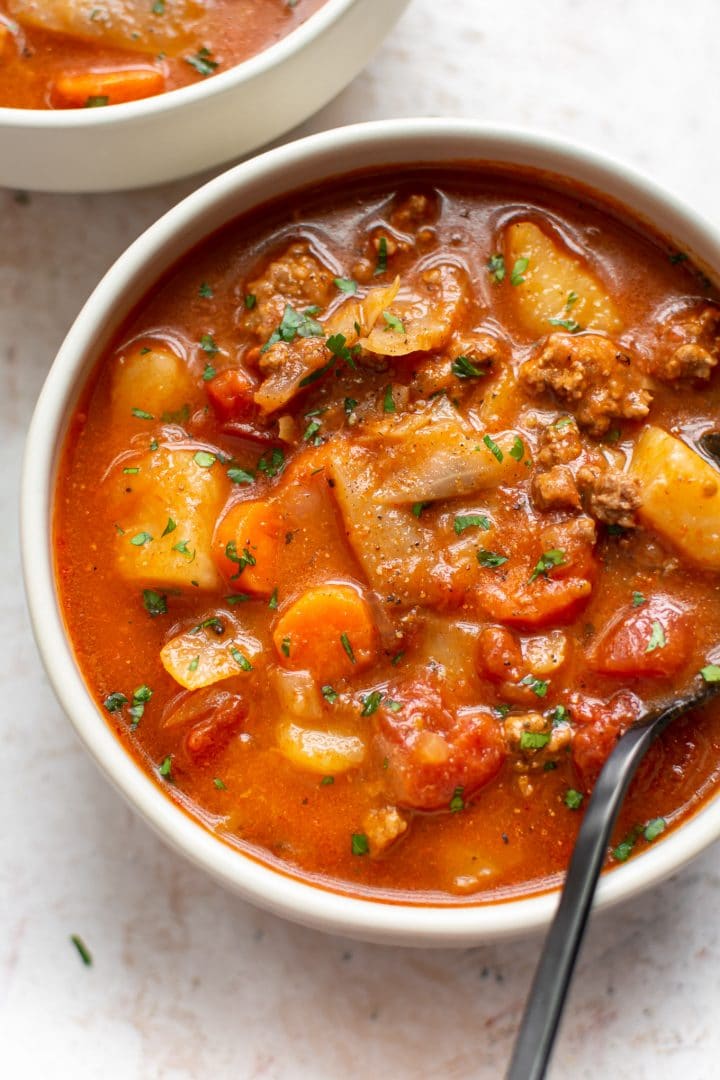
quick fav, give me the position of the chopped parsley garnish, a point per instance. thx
(273, 465)
(570, 325)
(209, 373)
(294, 324)
(624, 849)
(96, 101)
(346, 285)
(397, 658)
(539, 687)
(165, 767)
(493, 447)
(393, 706)
(360, 844)
(534, 740)
(502, 710)
(637, 599)
(131, 471)
(114, 702)
(388, 400)
(653, 828)
(329, 694)
(240, 659)
(140, 414)
(213, 623)
(371, 703)
(205, 291)
(349, 405)
(563, 422)
(573, 799)
(83, 951)
(518, 270)
(273, 601)
(240, 476)
(468, 521)
(547, 562)
(490, 559)
(311, 430)
(457, 803)
(393, 323)
(496, 266)
(207, 344)
(202, 61)
(382, 256)
(572, 298)
(657, 637)
(155, 603)
(204, 459)
(327, 780)
(345, 642)
(246, 559)
(250, 301)
(711, 673)
(678, 257)
(170, 527)
(140, 698)
(418, 507)
(194, 664)
(182, 548)
(219, 784)
(559, 715)
(517, 450)
(140, 539)
(463, 368)
(285, 646)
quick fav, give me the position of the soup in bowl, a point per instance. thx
(382, 510)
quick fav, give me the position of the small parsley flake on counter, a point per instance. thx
(82, 950)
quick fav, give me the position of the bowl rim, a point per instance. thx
(246, 71)
(443, 141)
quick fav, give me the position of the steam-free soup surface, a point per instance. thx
(388, 511)
(65, 54)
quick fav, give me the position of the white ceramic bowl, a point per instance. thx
(184, 131)
(275, 173)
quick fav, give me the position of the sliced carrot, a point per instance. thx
(328, 631)
(106, 87)
(247, 545)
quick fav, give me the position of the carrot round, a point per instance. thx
(95, 88)
(328, 631)
(246, 547)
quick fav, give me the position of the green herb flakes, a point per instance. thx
(469, 521)
(657, 637)
(155, 603)
(359, 844)
(573, 799)
(490, 559)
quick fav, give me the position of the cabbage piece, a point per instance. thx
(435, 454)
(151, 378)
(165, 515)
(555, 285)
(422, 322)
(127, 24)
(680, 495)
(398, 554)
(325, 752)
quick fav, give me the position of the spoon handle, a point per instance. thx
(557, 962)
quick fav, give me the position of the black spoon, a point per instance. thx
(544, 1005)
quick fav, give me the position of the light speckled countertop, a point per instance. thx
(188, 982)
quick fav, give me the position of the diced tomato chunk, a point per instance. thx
(655, 639)
(231, 395)
(599, 725)
(431, 751)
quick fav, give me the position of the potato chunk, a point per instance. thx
(169, 489)
(208, 653)
(680, 495)
(155, 380)
(556, 285)
(127, 24)
(325, 752)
